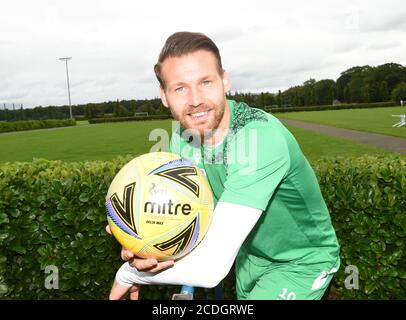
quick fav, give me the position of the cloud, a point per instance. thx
(114, 45)
(378, 19)
(383, 45)
(12, 97)
(227, 34)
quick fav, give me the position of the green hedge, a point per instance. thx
(121, 119)
(333, 107)
(34, 124)
(367, 201)
(52, 213)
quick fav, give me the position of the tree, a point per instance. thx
(345, 78)
(324, 91)
(347, 94)
(22, 114)
(78, 110)
(383, 91)
(121, 111)
(366, 93)
(356, 89)
(279, 98)
(261, 101)
(145, 107)
(332, 94)
(163, 110)
(309, 94)
(392, 73)
(99, 110)
(296, 100)
(269, 99)
(89, 111)
(399, 93)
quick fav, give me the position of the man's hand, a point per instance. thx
(146, 265)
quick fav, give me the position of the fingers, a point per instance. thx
(162, 265)
(146, 265)
(151, 265)
(108, 230)
(126, 255)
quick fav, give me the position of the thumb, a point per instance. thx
(108, 230)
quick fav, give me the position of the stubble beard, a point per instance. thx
(207, 130)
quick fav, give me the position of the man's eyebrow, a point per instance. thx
(177, 84)
(181, 83)
(206, 77)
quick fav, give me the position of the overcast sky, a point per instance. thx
(265, 45)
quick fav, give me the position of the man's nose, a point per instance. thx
(195, 97)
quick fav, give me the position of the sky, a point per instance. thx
(265, 45)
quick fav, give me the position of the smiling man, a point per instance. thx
(270, 215)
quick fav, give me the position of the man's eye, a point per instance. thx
(206, 82)
(180, 89)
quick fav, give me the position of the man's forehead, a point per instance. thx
(194, 65)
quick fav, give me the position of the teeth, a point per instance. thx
(199, 114)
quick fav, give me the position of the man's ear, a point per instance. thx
(226, 82)
(163, 96)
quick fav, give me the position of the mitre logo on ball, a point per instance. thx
(159, 205)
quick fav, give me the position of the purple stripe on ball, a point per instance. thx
(195, 235)
(173, 164)
(116, 219)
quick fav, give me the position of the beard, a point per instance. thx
(206, 126)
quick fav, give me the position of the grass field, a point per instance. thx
(377, 120)
(83, 142)
(106, 141)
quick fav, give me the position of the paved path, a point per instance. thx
(377, 140)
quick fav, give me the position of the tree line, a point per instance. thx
(356, 85)
(360, 84)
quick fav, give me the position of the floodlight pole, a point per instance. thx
(67, 79)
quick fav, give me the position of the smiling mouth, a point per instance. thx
(199, 115)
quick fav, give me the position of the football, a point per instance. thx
(159, 205)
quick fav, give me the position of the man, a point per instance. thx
(270, 215)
